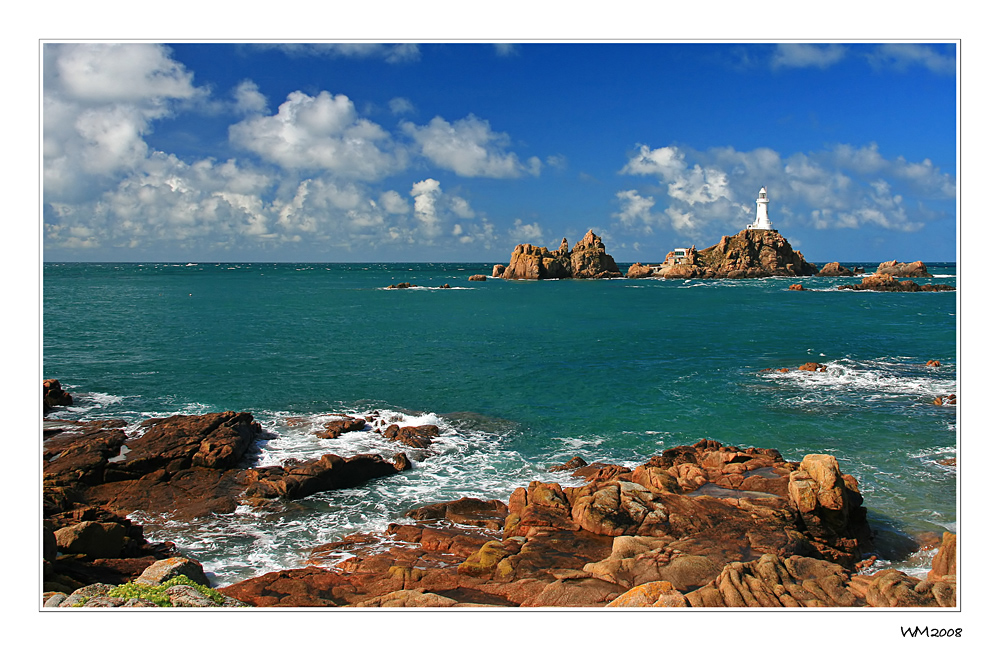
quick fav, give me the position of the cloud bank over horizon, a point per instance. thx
(326, 171)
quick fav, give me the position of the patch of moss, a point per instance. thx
(158, 593)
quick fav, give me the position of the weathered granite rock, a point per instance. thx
(813, 367)
(904, 269)
(748, 254)
(796, 287)
(498, 270)
(834, 269)
(655, 594)
(477, 278)
(415, 436)
(772, 582)
(701, 525)
(881, 282)
(53, 395)
(335, 428)
(329, 472)
(93, 539)
(572, 464)
(586, 260)
(638, 270)
(163, 570)
(179, 442)
(945, 562)
(469, 511)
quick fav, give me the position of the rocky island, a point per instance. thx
(702, 525)
(751, 253)
(587, 259)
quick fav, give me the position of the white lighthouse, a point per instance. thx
(761, 223)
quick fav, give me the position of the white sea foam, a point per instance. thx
(872, 380)
(461, 462)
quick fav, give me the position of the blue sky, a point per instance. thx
(459, 151)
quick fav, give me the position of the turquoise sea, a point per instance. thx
(519, 375)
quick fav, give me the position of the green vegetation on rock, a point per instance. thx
(157, 594)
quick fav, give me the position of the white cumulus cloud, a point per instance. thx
(320, 133)
(844, 186)
(469, 147)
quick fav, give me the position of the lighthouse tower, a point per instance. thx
(761, 223)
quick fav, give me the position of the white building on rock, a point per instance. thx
(761, 223)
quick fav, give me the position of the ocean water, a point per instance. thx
(518, 375)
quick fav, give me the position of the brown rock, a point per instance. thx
(326, 473)
(94, 539)
(418, 436)
(834, 269)
(572, 464)
(169, 568)
(498, 270)
(882, 282)
(639, 271)
(904, 270)
(752, 254)
(53, 395)
(813, 367)
(468, 511)
(655, 594)
(935, 363)
(586, 260)
(797, 288)
(178, 442)
(335, 428)
(945, 562)
(479, 277)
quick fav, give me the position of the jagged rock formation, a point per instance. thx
(586, 260)
(748, 254)
(904, 269)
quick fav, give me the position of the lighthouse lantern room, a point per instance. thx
(761, 223)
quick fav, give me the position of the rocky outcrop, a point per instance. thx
(834, 269)
(335, 428)
(329, 472)
(415, 436)
(185, 466)
(700, 525)
(53, 396)
(881, 282)
(748, 254)
(639, 271)
(586, 260)
(904, 269)
(477, 278)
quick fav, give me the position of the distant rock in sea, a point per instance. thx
(882, 282)
(748, 254)
(586, 260)
(834, 269)
(904, 269)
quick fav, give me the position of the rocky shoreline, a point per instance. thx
(702, 525)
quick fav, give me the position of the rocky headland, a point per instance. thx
(587, 259)
(697, 525)
(748, 254)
